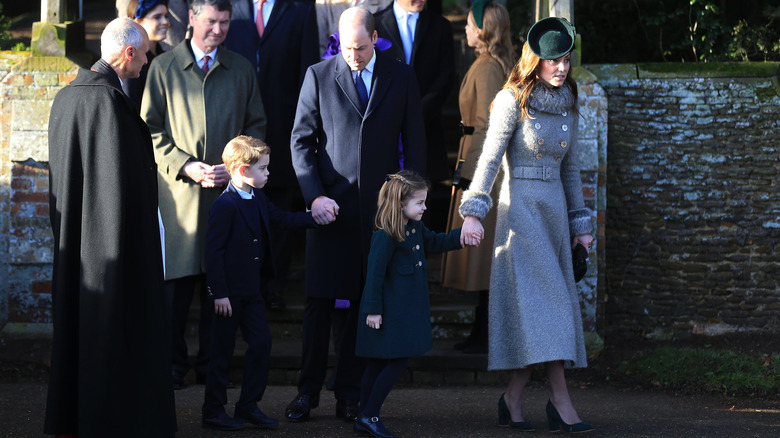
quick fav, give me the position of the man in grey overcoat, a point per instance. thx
(343, 146)
(198, 97)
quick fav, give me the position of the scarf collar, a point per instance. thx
(551, 100)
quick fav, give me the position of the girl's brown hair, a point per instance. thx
(396, 190)
(495, 38)
(523, 78)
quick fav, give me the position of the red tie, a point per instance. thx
(205, 66)
(259, 19)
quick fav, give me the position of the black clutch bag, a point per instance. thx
(579, 258)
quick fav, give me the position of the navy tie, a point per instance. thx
(361, 88)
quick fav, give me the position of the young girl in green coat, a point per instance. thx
(395, 304)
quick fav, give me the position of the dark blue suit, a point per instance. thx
(237, 260)
(344, 152)
(288, 47)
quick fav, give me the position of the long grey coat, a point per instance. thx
(534, 306)
(192, 117)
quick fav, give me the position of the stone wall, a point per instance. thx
(693, 218)
(27, 87)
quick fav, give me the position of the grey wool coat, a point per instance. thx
(192, 117)
(397, 288)
(534, 306)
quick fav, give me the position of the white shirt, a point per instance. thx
(268, 6)
(407, 36)
(243, 194)
(368, 73)
(199, 54)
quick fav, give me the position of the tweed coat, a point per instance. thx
(192, 117)
(397, 288)
(465, 270)
(534, 305)
(110, 360)
(343, 152)
(433, 62)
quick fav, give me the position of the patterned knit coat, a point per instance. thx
(534, 306)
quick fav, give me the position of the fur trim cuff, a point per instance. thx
(580, 222)
(475, 204)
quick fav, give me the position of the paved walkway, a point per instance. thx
(454, 412)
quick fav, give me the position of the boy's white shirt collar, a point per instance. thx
(243, 194)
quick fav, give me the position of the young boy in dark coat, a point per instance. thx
(238, 256)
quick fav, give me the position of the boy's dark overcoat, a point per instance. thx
(110, 363)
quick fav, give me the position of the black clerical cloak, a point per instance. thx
(110, 362)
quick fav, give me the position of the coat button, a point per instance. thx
(257, 258)
(558, 158)
(407, 233)
(254, 240)
(540, 141)
(564, 113)
(414, 230)
(531, 111)
(419, 263)
(538, 126)
(417, 247)
(564, 144)
(538, 156)
(565, 128)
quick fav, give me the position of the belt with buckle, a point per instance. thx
(541, 173)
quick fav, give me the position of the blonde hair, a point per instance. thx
(523, 78)
(495, 38)
(396, 190)
(244, 150)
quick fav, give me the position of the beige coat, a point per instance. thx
(468, 269)
(192, 117)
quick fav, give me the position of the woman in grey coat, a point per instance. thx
(534, 305)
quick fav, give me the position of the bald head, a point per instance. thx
(118, 34)
(357, 37)
(123, 45)
(357, 16)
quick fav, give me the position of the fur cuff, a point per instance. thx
(580, 222)
(475, 204)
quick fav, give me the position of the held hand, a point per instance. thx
(221, 175)
(222, 307)
(324, 210)
(217, 176)
(374, 321)
(585, 239)
(196, 171)
(471, 233)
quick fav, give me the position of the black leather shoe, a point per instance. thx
(505, 418)
(298, 409)
(222, 422)
(556, 423)
(255, 417)
(347, 410)
(372, 426)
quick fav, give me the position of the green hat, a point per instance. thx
(551, 37)
(477, 9)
